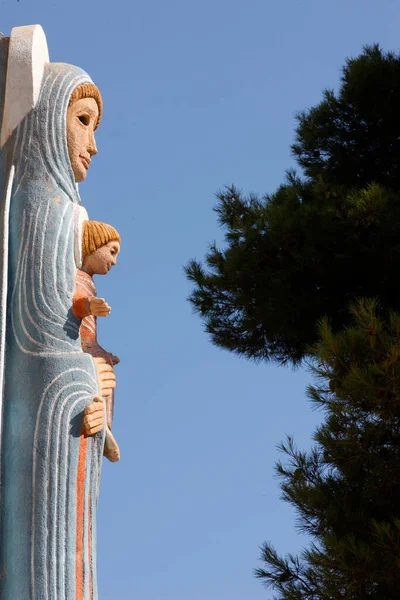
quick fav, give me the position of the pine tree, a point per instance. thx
(321, 241)
(346, 490)
(353, 137)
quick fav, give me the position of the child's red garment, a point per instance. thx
(85, 290)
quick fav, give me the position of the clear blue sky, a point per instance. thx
(197, 95)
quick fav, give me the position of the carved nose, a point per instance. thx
(92, 149)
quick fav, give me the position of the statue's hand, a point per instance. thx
(111, 448)
(105, 376)
(99, 307)
(93, 420)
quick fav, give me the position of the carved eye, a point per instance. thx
(85, 119)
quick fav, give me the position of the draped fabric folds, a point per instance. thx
(49, 470)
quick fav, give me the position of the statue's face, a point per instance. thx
(101, 261)
(82, 117)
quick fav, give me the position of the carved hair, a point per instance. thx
(88, 90)
(95, 235)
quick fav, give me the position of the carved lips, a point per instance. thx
(85, 161)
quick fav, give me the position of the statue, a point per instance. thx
(100, 248)
(53, 394)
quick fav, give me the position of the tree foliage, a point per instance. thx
(318, 242)
(353, 137)
(346, 490)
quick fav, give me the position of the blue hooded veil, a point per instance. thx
(49, 471)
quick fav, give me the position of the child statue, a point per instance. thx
(100, 248)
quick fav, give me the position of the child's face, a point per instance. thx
(101, 261)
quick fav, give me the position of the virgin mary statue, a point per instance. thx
(49, 468)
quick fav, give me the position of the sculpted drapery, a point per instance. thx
(50, 469)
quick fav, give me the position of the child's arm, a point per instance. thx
(83, 306)
(98, 351)
(94, 349)
(80, 304)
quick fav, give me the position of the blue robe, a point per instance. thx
(49, 471)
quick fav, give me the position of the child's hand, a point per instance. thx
(99, 307)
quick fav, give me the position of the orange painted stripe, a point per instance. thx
(90, 550)
(80, 506)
